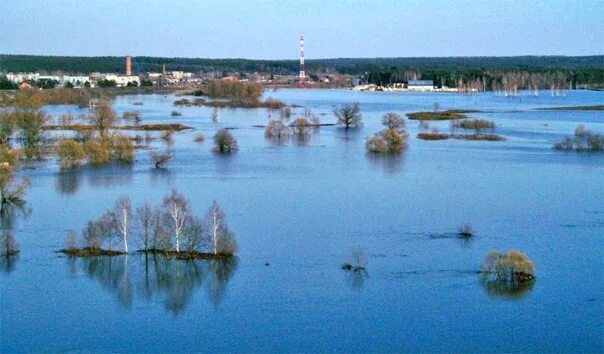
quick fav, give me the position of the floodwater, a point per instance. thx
(300, 206)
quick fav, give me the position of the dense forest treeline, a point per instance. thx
(449, 71)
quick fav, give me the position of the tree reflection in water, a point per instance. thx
(389, 163)
(504, 289)
(8, 262)
(9, 213)
(356, 279)
(107, 175)
(149, 277)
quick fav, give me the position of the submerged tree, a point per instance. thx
(31, 130)
(222, 239)
(103, 117)
(349, 115)
(161, 159)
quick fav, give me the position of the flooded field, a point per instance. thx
(297, 208)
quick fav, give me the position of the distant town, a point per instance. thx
(464, 75)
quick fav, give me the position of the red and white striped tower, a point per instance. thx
(302, 73)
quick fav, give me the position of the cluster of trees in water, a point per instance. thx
(169, 229)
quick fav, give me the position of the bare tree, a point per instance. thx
(221, 238)
(103, 117)
(349, 115)
(176, 210)
(121, 215)
(161, 159)
(146, 218)
(193, 234)
(393, 121)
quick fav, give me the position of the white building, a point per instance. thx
(121, 80)
(420, 85)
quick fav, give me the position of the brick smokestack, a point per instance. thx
(128, 66)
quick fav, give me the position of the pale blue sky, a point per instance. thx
(270, 29)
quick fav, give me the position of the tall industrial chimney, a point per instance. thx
(302, 74)
(128, 66)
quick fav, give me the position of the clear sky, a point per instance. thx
(270, 29)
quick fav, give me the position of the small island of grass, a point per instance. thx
(441, 115)
(468, 137)
(574, 108)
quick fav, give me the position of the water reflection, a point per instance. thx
(173, 282)
(8, 262)
(356, 279)
(389, 163)
(510, 290)
(69, 181)
(161, 175)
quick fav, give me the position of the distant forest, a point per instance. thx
(449, 71)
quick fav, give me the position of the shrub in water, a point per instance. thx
(224, 142)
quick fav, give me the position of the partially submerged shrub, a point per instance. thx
(224, 142)
(465, 230)
(301, 126)
(386, 141)
(96, 151)
(199, 138)
(358, 260)
(276, 129)
(132, 115)
(582, 140)
(70, 152)
(376, 144)
(508, 267)
(176, 114)
(121, 148)
(161, 159)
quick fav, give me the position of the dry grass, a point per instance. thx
(432, 136)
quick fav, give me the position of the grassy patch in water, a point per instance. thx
(441, 115)
(145, 127)
(90, 252)
(574, 108)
